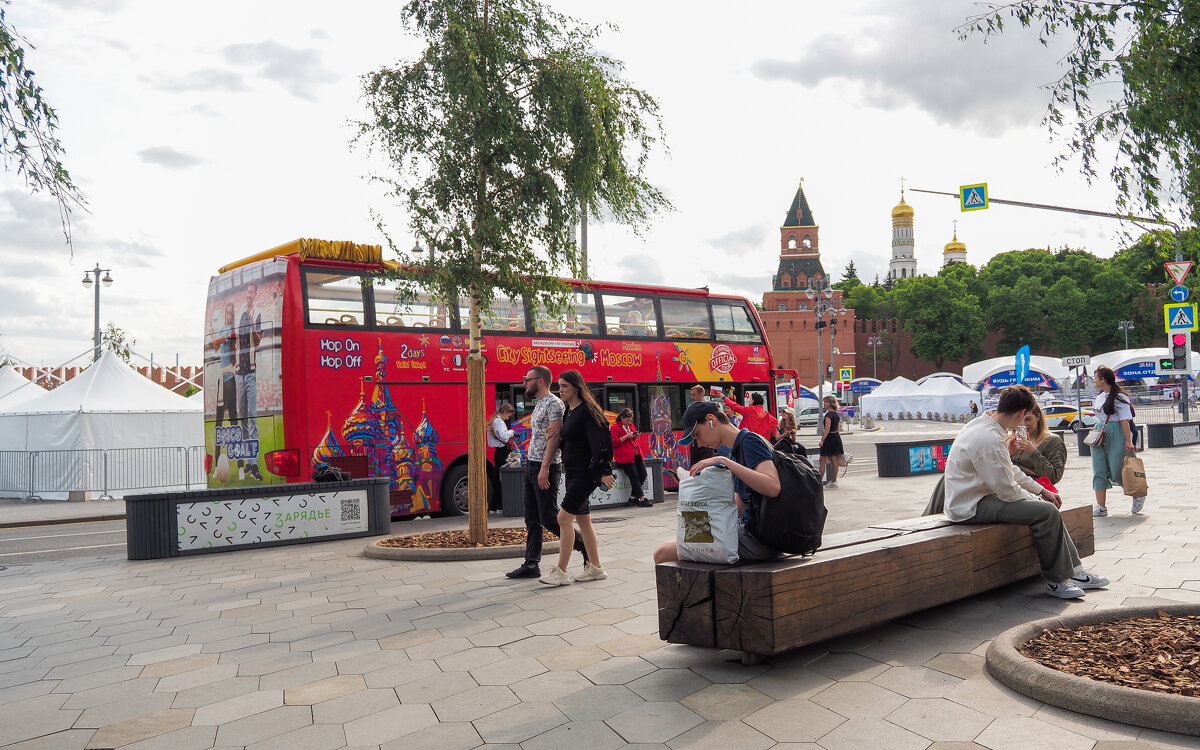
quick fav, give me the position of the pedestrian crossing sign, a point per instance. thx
(973, 197)
(1179, 318)
(845, 373)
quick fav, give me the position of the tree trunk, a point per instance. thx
(477, 481)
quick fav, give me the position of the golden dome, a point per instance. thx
(902, 209)
(954, 246)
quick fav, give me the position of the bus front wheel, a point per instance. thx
(454, 492)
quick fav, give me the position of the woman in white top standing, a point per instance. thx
(499, 433)
(1116, 417)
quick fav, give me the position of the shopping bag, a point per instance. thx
(707, 517)
(1133, 477)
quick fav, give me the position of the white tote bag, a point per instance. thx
(707, 517)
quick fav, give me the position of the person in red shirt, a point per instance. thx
(754, 417)
(627, 455)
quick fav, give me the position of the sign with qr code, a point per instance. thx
(256, 520)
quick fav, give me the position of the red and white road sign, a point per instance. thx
(1178, 269)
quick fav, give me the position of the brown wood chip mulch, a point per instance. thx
(459, 539)
(1149, 653)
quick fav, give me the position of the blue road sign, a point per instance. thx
(1179, 317)
(1179, 293)
(973, 197)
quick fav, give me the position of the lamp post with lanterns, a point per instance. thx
(1126, 326)
(875, 342)
(824, 308)
(87, 283)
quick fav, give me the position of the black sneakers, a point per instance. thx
(527, 570)
(641, 502)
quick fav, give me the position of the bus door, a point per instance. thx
(618, 397)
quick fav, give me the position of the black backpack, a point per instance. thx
(793, 521)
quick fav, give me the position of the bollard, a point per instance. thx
(512, 491)
(654, 467)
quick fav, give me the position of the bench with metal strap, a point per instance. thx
(857, 579)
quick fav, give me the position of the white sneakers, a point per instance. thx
(1074, 587)
(1064, 590)
(1100, 511)
(558, 577)
(590, 573)
(1086, 581)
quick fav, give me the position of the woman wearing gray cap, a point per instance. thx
(754, 474)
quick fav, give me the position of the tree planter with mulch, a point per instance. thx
(455, 545)
(1135, 665)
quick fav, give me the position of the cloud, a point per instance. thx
(641, 267)
(169, 158)
(904, 59)
(298, 71)
(748, 238)
(99, 6)
(206, 79)
(320, 34)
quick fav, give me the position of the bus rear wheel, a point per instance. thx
(455, 500)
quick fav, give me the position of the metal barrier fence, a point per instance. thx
(102, 470)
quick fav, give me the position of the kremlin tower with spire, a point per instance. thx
(903, 264)
(789, 315)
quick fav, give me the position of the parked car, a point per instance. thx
(1066, 416)
(810, 416)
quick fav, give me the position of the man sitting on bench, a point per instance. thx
(982, 486)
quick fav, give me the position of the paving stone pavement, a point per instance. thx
(318, 647)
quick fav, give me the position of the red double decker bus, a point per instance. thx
(313, 358)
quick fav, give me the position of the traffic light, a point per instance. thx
(1181, 345)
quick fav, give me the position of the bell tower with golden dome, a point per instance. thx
(903, 264)
(955, 251)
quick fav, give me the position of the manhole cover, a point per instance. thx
(609, 519)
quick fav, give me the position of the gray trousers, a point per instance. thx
(1055, 550)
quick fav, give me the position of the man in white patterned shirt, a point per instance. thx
(982, 486)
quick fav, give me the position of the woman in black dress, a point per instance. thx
(831, 441)
(587, 452)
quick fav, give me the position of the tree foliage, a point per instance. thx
(116, 340)
(945, 319)
(1130, 79)
(496, 133)
(29, 127)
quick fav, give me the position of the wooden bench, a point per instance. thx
(858, 579)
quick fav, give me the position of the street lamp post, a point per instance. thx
(822, 310)
(875, 342)
(1126, 326)
(87, 282)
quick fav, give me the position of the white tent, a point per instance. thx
(943, 396)
(198, 397)
(106, 407)
(890, 397)
(16, 389)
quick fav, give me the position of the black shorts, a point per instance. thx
(577, 500)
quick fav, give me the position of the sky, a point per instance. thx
(201, 134)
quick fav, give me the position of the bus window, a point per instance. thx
(397, 309)
(629, 316)
(685, 318)
(507, 314)
(578, 317)
(334, 299)
(733, 323)
(750, 389)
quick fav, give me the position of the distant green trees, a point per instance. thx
(1058, 302)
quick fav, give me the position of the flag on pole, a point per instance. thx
(1022, 364)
